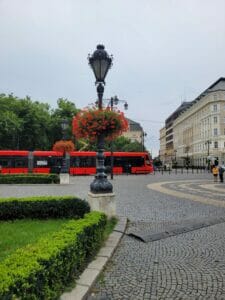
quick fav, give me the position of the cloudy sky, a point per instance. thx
(165, 52)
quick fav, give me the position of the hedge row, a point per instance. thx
(42, 270)
(43, 207)
(29, 178)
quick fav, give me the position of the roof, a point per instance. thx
(134, 126)
(218, 85)
(178, 111)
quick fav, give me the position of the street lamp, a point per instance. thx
(100, 62)
(64, 126)
(143, 135)
(112, 101)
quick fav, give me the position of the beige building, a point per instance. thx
(135, 132)
(162, 151)
(199, 129)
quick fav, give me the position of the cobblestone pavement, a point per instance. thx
(186, 266)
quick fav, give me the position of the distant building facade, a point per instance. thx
(135, 131)
(162, 151)
(195, 132)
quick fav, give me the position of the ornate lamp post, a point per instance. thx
(100, 63)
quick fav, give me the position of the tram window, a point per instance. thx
(118, 161)
(87, 161)
(135, 161)
(83, 161)
(108, 161)
(20, 163)
(5, 163)
(147, 161)
(74, 161)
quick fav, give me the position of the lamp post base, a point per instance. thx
(103, 202)
(64, 178)
(101, 186)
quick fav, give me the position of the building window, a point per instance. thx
(215, 97)
(215, 131)
(215, 144)
(215, 120)
(214, 107)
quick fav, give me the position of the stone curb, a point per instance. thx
(93, 270)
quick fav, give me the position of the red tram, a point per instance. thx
(79, 162)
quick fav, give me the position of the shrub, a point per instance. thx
(42, 207)
(29, 178)
(42, 270)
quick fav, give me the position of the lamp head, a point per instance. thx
(100, 63)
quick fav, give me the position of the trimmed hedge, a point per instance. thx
(42, 270)
(29, 178)
(43, 207)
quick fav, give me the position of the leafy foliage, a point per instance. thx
(119, 144)
(31, 125)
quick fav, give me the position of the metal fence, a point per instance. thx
(182, 171)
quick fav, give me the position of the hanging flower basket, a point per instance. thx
(91, 123)
(64, 146)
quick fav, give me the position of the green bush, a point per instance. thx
(42, 270)
(43, 207)
(29, 178)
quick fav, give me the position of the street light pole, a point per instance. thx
(100, 63)
(114, 100)
(143, 140)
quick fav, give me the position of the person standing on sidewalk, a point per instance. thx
(221, 171)
(215, 171)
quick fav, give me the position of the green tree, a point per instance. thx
(24, 124)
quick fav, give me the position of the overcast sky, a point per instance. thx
(165, 52)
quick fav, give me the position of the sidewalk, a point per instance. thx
(189, 265)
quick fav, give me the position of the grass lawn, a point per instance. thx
(18, 233)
